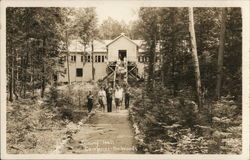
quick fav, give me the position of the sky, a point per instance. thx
(118, 11)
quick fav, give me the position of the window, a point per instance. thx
(73, 58)
(81, 58)
(96, 58)
(88, 58)
(99, 58)
(103, 59)
(143, 59)
(65, 70)
(79, 72)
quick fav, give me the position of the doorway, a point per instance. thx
(122, 54)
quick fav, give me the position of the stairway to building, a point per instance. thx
(121, 71)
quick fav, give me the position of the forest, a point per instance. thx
(190, 101)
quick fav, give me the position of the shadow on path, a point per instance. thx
(104, 133)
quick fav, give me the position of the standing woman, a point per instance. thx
(118, 97)
(90, 98)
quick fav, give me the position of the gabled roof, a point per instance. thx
(121, 35)
(100, 46)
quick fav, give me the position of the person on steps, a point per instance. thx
(90, 98)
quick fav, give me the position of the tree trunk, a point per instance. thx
(155, 59)
(43, 71)
(173, 75)
(83, 60)
(68, 69)
(151, 65)
(11, 77)
(25, 68)
(21, 77)
(195, 57)
(221, 52)
(33, 79)
(43, 82)
(14, 73)
(33, 72)
(93, 69)
(162, 68)
(11, 88)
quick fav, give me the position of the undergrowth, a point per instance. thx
(175, 125)
(34, 125)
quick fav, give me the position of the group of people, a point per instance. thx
(105, 98)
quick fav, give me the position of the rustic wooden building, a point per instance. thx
(110, 58)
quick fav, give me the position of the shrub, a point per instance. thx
(53, 96)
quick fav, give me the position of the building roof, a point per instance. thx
(100, 46)
(121, 35)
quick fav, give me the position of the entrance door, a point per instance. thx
(122, 54)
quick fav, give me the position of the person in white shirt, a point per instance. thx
(102, 98)
(118, 97)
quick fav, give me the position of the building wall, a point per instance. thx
(122, 44)
(100, 70)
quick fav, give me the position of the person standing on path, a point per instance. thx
(90, 98)
(118, 97)
(127, 97)
(109, 93)
(102, 98)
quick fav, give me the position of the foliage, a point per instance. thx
(85, 25)
(53, 96)
(165, 124)
(168, 28)
(111, 28)
(23, 118)
(166, 118)
(33, 44)
(36, 39)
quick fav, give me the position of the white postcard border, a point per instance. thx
(244, 4)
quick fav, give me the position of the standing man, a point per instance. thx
(127, 97)
(102, 98)
(90, 98)
(109, 93)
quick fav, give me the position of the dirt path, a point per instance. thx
(103, 133)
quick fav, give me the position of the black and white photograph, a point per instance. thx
(124, 78)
